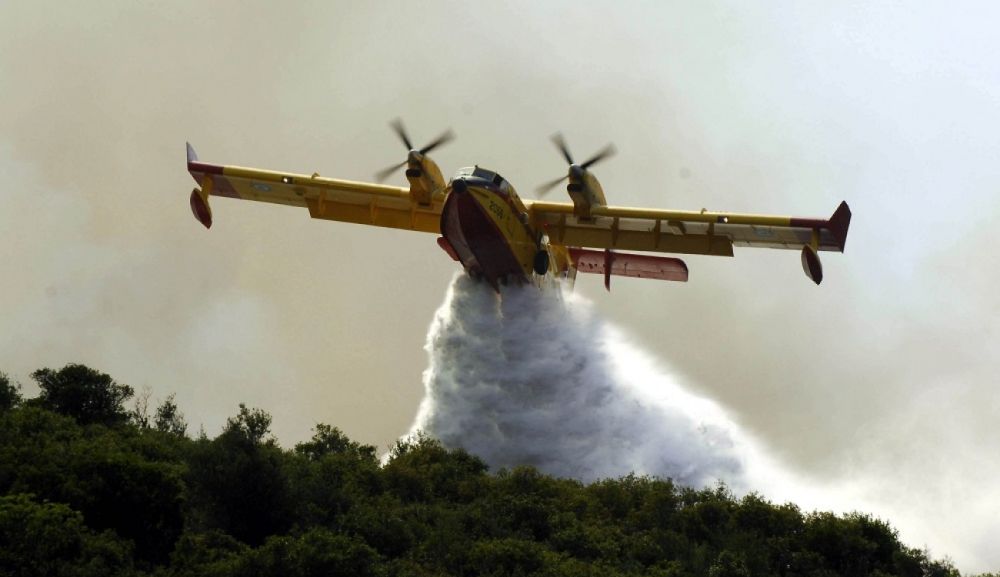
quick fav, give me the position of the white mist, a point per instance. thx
(535, 378)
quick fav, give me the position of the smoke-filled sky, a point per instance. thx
(884, 373)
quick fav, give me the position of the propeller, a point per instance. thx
(560, 143)
(400, 130)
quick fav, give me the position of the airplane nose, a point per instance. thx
(458, 186)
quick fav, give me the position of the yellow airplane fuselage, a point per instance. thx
(487, 228)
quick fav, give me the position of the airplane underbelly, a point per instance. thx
(477, 235)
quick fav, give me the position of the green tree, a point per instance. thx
(10, 393)
(506, 557)
(423, 468)
(210, 553)
(124, 482)
(169, 418)
(250, 426)
(841, 544)
(318, 551)
(331, 474)
(329, 440)
(36, 447)
(119, 495)
(117, 478)
(50, 539)
(238, 481)
(87, 395)
(729, 565)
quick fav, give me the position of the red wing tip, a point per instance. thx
(204, 168)
(197, 167)
(839, 224)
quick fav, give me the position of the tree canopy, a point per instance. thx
(10, 393)
(85, 489)
(80, 392)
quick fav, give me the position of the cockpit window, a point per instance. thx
(485, 174)
(490, 176)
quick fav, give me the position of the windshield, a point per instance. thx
(483, 176)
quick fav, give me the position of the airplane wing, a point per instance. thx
(689, 232)
(327, 198)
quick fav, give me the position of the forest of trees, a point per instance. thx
(95, 482)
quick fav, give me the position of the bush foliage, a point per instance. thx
(88, 488)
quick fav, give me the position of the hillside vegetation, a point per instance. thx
(93, 483)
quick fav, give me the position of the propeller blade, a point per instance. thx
(604, 153)
(448, 136)
(557, 138)
(548, 186)
(397, 127)
(381, 175)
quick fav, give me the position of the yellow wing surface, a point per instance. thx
(327, 198)
(687, 232)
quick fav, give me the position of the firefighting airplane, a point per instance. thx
(499, 237)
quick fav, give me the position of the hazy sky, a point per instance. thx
(886, 372)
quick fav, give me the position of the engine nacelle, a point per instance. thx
(424, 177)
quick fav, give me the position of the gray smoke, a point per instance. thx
(532, 377)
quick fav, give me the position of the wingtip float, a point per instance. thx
(837, 226)
(200, 208)
(499, 237)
